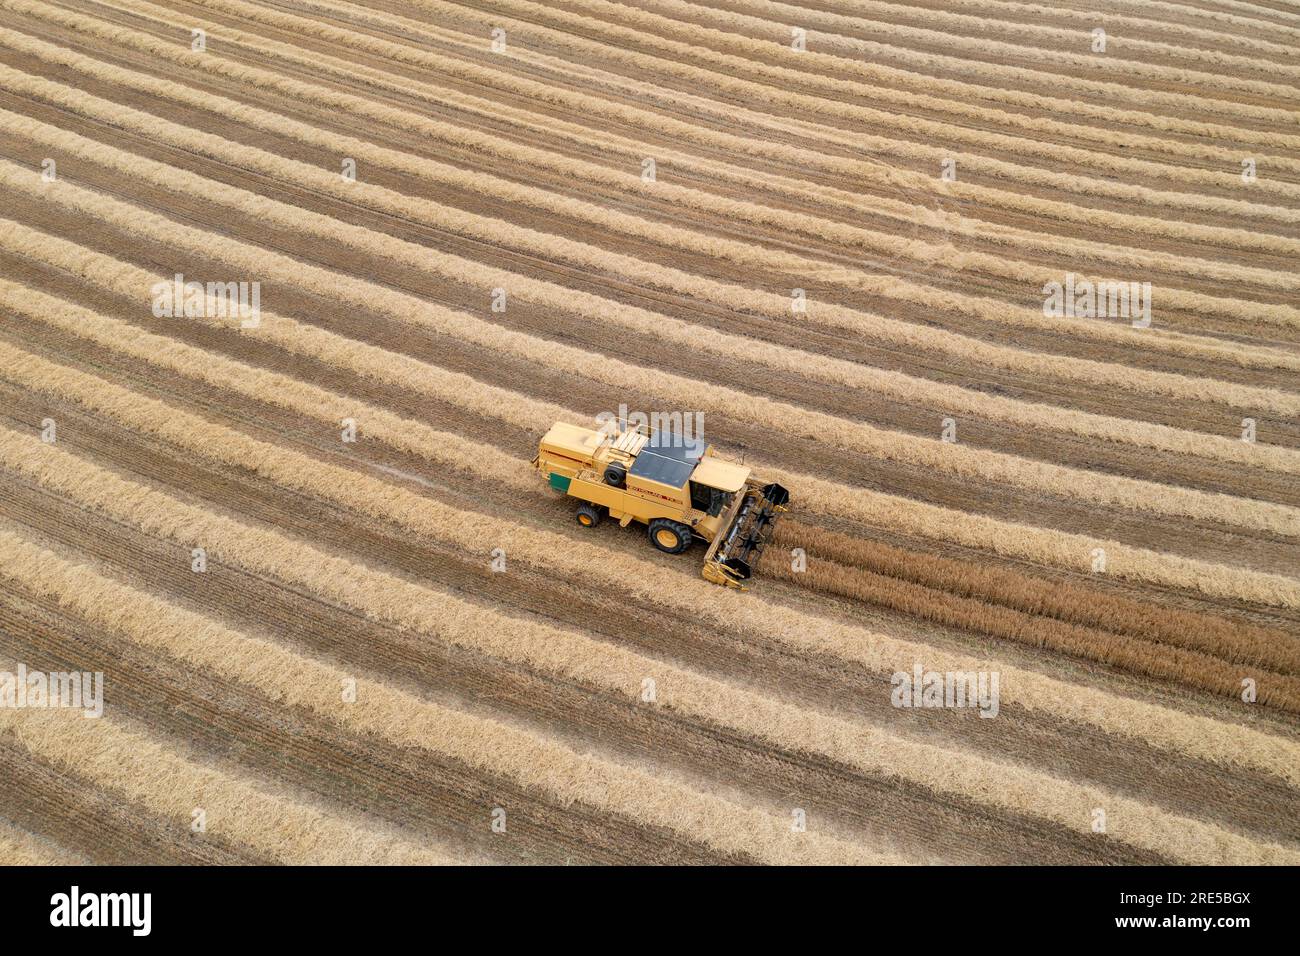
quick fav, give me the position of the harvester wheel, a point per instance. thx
(588, 515)
(615, 474)
(669, 536)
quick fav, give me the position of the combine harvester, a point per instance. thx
(675, 485)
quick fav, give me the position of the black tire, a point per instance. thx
(615, 475)
(670, 537)
(588, 515)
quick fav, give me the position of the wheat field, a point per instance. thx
(338, 616)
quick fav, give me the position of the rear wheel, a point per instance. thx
(669, 536)
(588, 515)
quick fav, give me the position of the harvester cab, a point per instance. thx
(673, 484)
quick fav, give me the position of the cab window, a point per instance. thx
(709, 500)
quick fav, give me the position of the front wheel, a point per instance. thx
(588, 515)
(669, 537)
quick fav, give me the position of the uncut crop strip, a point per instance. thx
(603, 568)
(998, 785)
(899, 41)
(754, 81)
(1192, 669)
(962, 107)
(584, 106)
(1043, 545)
(385, 711)
(1070, 603)
(25, 241)
(1067, 482)
(1032, 276)
(123, 760)
(777, 306)
(1040, 545)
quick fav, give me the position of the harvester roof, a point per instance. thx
(667, 458)
(713, 472)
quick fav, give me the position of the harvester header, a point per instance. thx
(673, 484)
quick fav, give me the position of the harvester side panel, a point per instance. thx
(589, 487)
(658, 496)
(599, 493)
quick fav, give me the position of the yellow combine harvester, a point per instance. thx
(676, 486)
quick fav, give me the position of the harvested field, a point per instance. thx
(340, 617)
